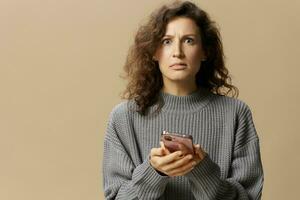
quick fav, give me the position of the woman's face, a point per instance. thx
(180, 44)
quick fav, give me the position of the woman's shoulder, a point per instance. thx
(122, 108)
(232, 103)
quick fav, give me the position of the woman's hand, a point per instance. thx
(173, 164)
(199, 154)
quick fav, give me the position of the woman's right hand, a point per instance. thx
(171, 164)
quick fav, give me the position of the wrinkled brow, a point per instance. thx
(195, 35)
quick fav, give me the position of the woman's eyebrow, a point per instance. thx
(182, 36)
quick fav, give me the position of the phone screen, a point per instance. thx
(175, 142)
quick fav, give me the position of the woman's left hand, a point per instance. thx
(199, 153)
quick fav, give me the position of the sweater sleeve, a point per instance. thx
(122, 179)
(245, 180)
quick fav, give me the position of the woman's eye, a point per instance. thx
(166, 41)
(190, 40)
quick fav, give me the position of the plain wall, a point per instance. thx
(59, 80)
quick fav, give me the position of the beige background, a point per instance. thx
(59, 79)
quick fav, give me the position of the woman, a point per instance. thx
(178, 83)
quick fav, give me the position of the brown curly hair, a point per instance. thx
(145, 78)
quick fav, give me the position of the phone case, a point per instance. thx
(172, 141)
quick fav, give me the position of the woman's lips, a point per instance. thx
(179, 66)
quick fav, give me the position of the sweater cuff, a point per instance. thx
(149, 180)
(206, 177)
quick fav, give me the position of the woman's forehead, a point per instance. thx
(183, 26)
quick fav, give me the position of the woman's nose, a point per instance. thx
(177, 51)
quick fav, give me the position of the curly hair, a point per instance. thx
(143, 73)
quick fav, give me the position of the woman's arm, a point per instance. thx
(121, 178)
(245, 181)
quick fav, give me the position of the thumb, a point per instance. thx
(165, 150)
(196, 147)
(162, 144)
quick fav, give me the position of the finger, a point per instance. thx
(157, 152)
(199, 151)
(183, 148)
(166, 151)
(196, 146)
(162, 144)
(171, 158)
(183, 169)
(179, 163)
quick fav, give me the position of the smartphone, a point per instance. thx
(172, 142)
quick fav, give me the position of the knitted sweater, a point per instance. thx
(222, 125)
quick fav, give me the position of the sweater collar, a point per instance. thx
(189, 103)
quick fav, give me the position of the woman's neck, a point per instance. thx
(179, 90)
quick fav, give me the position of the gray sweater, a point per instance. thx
(224, 128)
